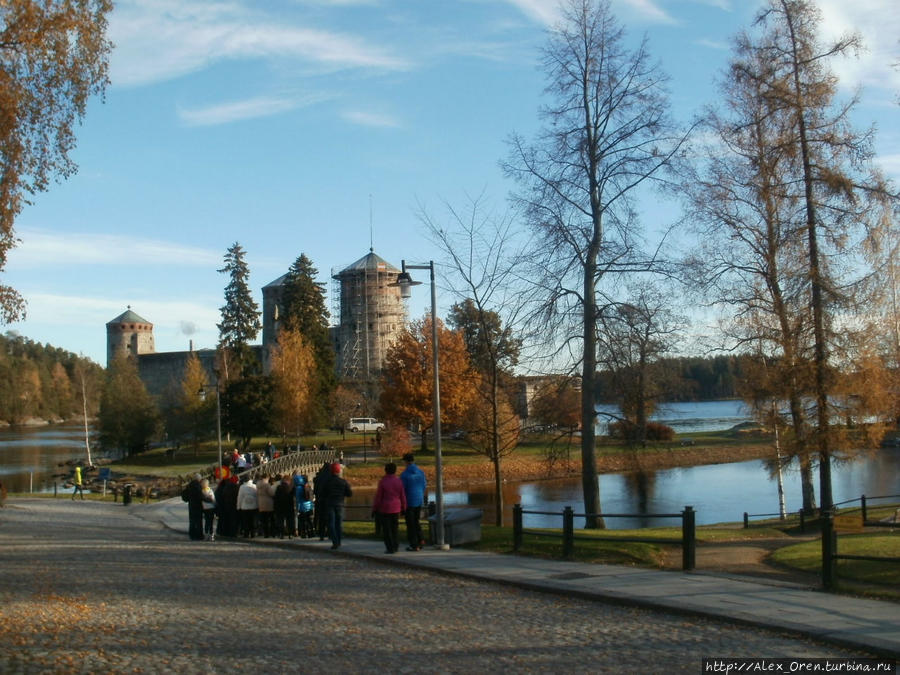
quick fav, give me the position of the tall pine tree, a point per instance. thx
(240, 317)
(305, 311)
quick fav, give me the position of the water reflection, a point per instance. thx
(31, 458)
(718, 492)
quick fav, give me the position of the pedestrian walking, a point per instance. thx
(336, 490)
(415, 487)
(79, 485)
(390, 502)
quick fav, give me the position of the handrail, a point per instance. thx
(305, 461)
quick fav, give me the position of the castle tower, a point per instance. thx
(371, 316)
(128, 334)
(271, 320)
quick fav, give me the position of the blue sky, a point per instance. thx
(283, 125)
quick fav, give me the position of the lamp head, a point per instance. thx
(405, 282)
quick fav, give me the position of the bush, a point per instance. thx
(627, 430)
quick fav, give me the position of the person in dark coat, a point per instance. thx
(336, 490)
(285, 514)
(193, 495)
(320, 516)
(226, 507)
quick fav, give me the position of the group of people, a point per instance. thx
(290, 506)
(279, 507)
(407, 495)
(239, 461)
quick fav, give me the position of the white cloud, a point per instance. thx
(890, 164)
(721, 4)
(47, 312)
(548, 12)
(370, 119)
(543, 11)
(713, 44)
(649, 10)
(878, 21)
(41, 248)
(262, 106)
(157, 40)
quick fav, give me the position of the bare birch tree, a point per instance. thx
(607, 132)
(480, 248)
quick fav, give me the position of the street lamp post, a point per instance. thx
(405, 282)
(218, 417)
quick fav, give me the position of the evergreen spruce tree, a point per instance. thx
(305, 311)
(240, 316)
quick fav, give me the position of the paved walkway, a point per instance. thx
(871, 625)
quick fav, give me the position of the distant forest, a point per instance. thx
(44, 382)
(689, 378)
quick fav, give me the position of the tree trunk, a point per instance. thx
(820, 358)
(589, 479)
(498, 492)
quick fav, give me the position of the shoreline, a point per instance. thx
(514, 469)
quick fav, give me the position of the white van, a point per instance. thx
(365, 424)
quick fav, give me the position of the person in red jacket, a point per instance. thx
(390, 502)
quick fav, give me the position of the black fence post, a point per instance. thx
(862, 501)
(829, 550)
(688, 539)
(568, 532)
(517, 527)
(746, 520)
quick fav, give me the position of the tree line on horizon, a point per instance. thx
(46, 383)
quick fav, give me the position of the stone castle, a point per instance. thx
(369, 310)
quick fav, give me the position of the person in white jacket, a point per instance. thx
(248, 507)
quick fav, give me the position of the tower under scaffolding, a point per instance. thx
(371, 314)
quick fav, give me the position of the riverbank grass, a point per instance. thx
(851, 573)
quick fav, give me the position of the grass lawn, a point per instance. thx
(808, 557)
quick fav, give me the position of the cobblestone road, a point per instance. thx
(88, 587)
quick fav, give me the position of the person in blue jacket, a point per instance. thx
(416, 488)
(303, 494)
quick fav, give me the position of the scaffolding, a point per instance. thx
(371, 315)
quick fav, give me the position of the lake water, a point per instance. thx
(687, 417)
(30, 456)
(718, 492)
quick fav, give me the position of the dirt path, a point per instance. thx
(745, 557)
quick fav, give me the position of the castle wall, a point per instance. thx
(163, 372)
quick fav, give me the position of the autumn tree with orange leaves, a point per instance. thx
(296, 380)
(54, 56)
(408, 379)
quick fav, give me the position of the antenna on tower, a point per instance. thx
(371, 227)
